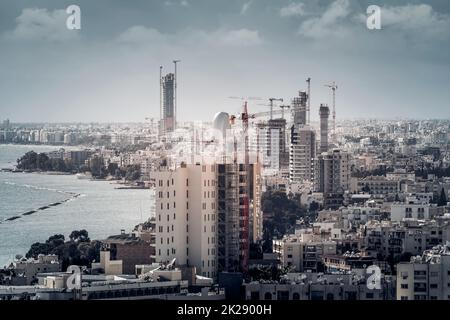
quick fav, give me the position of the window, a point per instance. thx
(369, 295)
(404, 286)
(403, 298)
(187, 182)
(174, 215)
(433, 286)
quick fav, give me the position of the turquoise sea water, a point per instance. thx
(100, 208)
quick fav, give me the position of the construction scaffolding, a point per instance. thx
(228, 217)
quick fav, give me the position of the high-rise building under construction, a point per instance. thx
(168, 103)
(302, 148)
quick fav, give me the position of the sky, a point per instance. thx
(108, 71)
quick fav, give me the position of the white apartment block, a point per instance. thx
(186, 217)
(426, 277)
(302, 255)
(416, 210)
(301, 154)
(332, 172)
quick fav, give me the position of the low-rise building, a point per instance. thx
(425, 277)
(318, 286)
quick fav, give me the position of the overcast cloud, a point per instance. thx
(108, 70)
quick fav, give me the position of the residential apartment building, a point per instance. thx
(319, 286)
(426, 277)
(303, 255)
(186, 216)
(332, 176)
(301, 154)
(378, 185)
(414, 209)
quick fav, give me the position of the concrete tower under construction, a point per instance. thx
(168, 107)
(324, 113)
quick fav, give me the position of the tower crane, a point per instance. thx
(271, 100)
(244, 116)
(333, 88)
(175, 94)
(308, 109)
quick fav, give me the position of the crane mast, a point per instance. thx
(333, 88)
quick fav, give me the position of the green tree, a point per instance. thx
(96, 166)
(442, 198)
(112, 168)
(79, 236)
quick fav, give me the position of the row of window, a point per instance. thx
(213, 205)
(168, 251)
(161, 229)
(161, 182)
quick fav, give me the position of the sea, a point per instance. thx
(97, 206)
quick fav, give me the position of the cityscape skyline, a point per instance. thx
(238, 48)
